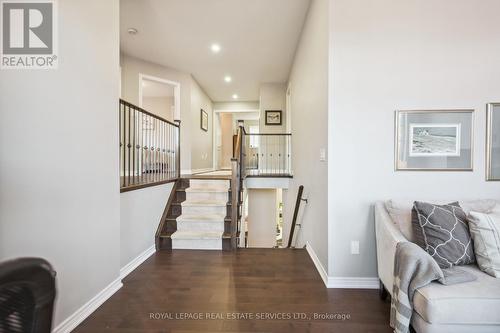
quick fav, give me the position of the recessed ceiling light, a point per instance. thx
(235, 96)
(132, 31)
(215, 48)
(228, 79)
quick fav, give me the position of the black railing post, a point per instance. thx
(178, 157)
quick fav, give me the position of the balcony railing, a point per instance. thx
(268, 155)
(149, 148)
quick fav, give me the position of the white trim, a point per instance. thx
(177, 92)
(128, 268)
(317, 263)
(341, 282)
(267, 182)
(238, 111)
(86, 310)
(353, 282)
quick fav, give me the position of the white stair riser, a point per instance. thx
(197, 244)
(199, 196)
(200, 226)
(204, 210)
(209, 183)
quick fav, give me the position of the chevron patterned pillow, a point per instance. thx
(443, 231)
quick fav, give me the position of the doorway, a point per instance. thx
(160, 97)
(226, 123)
(264, 217)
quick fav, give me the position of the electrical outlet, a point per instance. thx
(354, 247)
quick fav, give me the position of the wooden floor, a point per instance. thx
(254, 283)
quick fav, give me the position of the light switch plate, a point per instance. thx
(354, 247)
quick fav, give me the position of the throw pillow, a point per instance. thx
(443, 231)
(400, 214)
(485, 231)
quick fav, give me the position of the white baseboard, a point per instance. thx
(314, 257)
(86, 310)
(128, 268)
(341, 282)
(353, 282)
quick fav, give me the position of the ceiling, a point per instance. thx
(156, 89)
(258, 39)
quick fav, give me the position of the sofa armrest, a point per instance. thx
(387, 236)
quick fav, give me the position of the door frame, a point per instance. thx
(177, 92)
(217, 130)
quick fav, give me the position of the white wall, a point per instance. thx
(196, 145)
(272, 97)
(392, 54)
(309, 111)
(132, 67)
(59, 193)
(160, 106)
(262, 218)
(201, 141)
(140, 214)
(236, 106)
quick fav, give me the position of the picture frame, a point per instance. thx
(493, 142)
(434, 140)
(273, 117)
(203, 120)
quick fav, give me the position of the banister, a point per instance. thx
(295, 214)
(149, 148)
(124, 102)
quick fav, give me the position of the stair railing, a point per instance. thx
(237, 177)
(149, 148)
(296, 214)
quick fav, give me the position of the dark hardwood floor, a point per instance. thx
(259, 283)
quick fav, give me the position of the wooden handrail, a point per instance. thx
(295, 214)
(237, 166)
(138, 108)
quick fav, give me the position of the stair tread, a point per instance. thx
(204, 203)
(179, 234)
(204, 217)
(207, 189)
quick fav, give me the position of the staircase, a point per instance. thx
(199, 216)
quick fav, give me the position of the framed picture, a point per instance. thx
(273, 117)
(203, 120)
(493, 142)
(434, 140)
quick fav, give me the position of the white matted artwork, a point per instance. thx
(434, 139)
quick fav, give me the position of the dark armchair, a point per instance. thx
(27, 293)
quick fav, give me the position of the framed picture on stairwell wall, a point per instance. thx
(203, 120)
(273, 117)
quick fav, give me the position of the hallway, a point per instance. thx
(249, 282)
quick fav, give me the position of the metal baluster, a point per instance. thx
(122, 139)
(162, 140)
(137, 146)
(128, 146)
(133, 148)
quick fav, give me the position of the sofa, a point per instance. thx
(462, 308)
